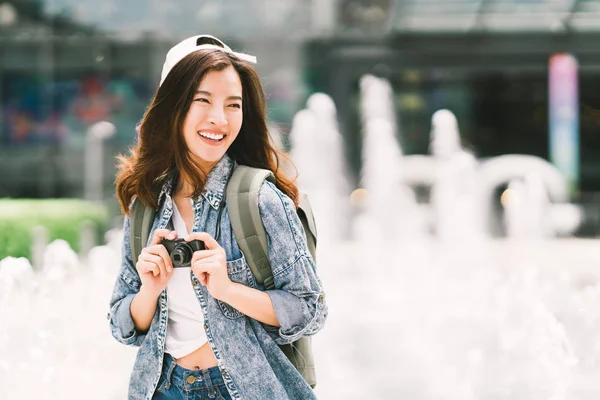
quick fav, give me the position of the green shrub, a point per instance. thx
(62, 219)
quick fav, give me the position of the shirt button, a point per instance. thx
(321, 297)
(191, 379)
(205, 326)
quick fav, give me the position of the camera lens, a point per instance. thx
(181, 255)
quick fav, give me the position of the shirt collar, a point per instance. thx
(216, 182)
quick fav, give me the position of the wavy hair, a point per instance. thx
(161, 151)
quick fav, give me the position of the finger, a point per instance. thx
(150, 257)
(164, 254)
(161, 234)
(209, 267)
(203, 278)
(158, 236)
(203, 254)
(161, 251)
(145, 267)
(156, 260)
(209, 242)
(162, 266)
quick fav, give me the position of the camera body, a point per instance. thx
(181, 252)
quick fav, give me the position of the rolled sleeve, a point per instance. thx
(127, 285)
(122, 326)
(298, 298)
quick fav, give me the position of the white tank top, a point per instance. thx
(185, 325)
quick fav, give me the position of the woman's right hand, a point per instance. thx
(154, 264)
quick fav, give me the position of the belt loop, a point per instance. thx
(169, 373)
(209, 385)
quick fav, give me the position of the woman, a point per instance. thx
(210, 331)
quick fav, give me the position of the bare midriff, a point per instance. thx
(201, 358)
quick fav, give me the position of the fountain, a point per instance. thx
(456, 320)
(564, 217)
(456, 315)
(391, 211)
(317, 150)
(454, 196)
(526, 206)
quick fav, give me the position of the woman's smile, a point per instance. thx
(213, 138)
(214, 117)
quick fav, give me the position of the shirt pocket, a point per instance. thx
(239, 272)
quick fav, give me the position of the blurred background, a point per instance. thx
(67, 64)
(458, 139)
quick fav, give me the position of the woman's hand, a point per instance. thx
(210, 265)
(154, 264)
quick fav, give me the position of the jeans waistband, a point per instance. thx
(189, 379)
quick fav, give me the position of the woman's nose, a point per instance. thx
(216, 116)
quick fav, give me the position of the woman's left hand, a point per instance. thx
(210, 265)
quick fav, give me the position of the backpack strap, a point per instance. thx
(242, 204)
(141, 224)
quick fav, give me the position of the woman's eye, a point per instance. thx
(235, 105)
(202, 100)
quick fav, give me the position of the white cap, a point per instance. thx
(189, 45)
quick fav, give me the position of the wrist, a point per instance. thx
(149, 292)
(229, 292)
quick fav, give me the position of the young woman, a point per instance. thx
(210, 331)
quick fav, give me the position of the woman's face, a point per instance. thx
(215, 117)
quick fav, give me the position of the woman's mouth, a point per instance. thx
(212, 138)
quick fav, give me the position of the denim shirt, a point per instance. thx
(246, 350)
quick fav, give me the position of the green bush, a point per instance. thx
(62, 219)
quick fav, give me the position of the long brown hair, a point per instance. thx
(161, 150)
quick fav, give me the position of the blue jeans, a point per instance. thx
(177, 382)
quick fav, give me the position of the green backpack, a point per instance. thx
(242, 202)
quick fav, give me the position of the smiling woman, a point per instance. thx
(217, 333)
(215, 117)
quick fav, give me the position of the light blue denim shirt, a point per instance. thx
(246, 350)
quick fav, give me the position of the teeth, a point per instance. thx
(210, 135)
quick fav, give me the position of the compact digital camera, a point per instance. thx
(181, 252)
